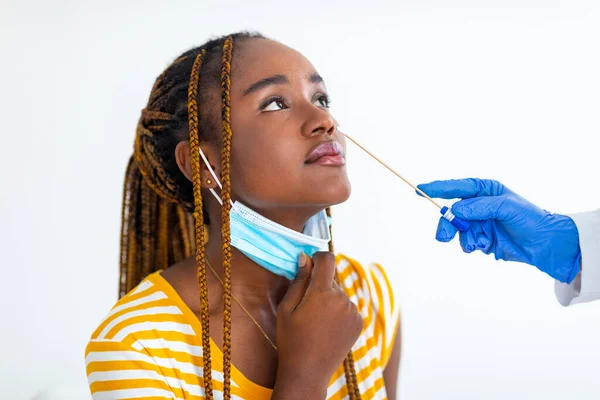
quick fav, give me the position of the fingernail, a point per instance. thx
(302, 260)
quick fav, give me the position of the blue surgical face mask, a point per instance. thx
(271, 245)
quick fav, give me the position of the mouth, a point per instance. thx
(327, 153)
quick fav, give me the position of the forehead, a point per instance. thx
(257, 59)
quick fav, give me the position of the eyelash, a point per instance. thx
(271, 100)
(322, 97)
(326, 98)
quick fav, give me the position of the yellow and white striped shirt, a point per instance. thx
(150, 344)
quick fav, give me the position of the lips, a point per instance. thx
(326, 151)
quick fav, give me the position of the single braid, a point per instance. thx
(162, 245)
(331, 248)
(177, 248)
(147, 251)
(133, 232)
(199, 228)
(182, 219)
(125, 215)
(349, 368)
(226, 209)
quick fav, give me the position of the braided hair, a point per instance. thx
(163, 216)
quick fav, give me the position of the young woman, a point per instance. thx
(236, 159)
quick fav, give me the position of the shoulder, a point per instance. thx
(142, 313)
(370, 288)
(371, 277)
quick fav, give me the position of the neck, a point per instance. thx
(248, 279)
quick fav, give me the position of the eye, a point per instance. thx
(322, 100)
(273, 104)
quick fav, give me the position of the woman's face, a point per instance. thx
(286, 150)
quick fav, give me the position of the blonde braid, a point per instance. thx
(182, 219)
(125, 215)
(225, 222)
(199, 217)
(131, 251)
(162, 245)
(349, 369)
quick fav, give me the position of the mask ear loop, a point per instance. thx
(212, 172)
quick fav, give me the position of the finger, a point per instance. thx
(462, 188)
(297, 288)
(477, 238)
(337, 286)
(310, 266)
(445, 231)
(484, 238)
(467, 242)
(323, 270)
(482, 208)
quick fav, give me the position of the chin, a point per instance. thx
(337, 194)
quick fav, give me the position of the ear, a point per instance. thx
(183, 156)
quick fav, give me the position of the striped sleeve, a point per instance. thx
(387, 311)
(118, 371)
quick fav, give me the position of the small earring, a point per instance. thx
(208, 181)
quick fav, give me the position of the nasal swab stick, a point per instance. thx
(445, 211)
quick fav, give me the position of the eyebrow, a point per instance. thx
(278, 80)
(315, 78)
(263, 83)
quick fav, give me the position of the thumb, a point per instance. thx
(445, 231)
(297, 288)
(482, 208)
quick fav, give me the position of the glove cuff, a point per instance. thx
(565, 255)
(576, 268)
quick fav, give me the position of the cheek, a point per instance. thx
(265, 155)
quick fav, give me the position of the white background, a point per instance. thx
(440, 89)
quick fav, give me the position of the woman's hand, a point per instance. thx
(317, 325)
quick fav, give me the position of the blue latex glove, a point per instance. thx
(509, 226)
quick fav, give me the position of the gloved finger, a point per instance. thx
(467, 241)
(483, 208)
(483, 233)
(445, 231)
(476, 238)
(462, 188)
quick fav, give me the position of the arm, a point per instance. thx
(586, 286)
(117, 371)
(297, 388)
(390, 373)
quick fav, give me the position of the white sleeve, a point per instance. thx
(586, 286)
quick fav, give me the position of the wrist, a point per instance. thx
(574, 249)
(562, 260)
(576, 268)
(300, 384)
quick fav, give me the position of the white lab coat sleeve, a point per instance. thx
(586, 286)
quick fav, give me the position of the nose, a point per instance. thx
(318, 122)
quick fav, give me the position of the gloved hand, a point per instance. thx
(509, 226)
